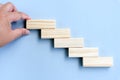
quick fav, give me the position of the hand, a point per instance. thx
(8, 14)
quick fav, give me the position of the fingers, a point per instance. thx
(8, 14)
(8, 7)
(18, 33)
(13, 35)
(14, 16)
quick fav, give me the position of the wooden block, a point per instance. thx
(68, 42)
(83, 52)
(40, 24)
(97, 61)
(55, 33)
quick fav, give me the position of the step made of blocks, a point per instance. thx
(63, 39)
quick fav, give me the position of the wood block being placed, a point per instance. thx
(68, 42)
(55, 33)
(83, 52)
(40, 24)
(97, 61)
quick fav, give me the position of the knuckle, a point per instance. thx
(9, 3)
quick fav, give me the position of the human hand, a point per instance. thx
(9, 14)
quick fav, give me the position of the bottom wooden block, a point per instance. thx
(97, 61)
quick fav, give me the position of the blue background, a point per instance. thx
(32, 58)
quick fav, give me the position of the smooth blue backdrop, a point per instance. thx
(32, 58)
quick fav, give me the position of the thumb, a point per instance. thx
(19, 32)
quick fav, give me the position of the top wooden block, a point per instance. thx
(40, 24)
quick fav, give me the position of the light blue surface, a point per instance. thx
(31, 58)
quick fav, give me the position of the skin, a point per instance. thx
(9, 14)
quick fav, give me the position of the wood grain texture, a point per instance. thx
(55, 33)
(97, 61)
(68, 42)
(40, 24)
(83, 52)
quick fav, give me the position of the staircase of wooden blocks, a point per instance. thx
(62, 39)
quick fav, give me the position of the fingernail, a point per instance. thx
(29, 17)
(27, 32)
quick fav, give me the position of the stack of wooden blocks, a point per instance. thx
(62, 39)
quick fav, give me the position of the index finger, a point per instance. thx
(14, 16)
